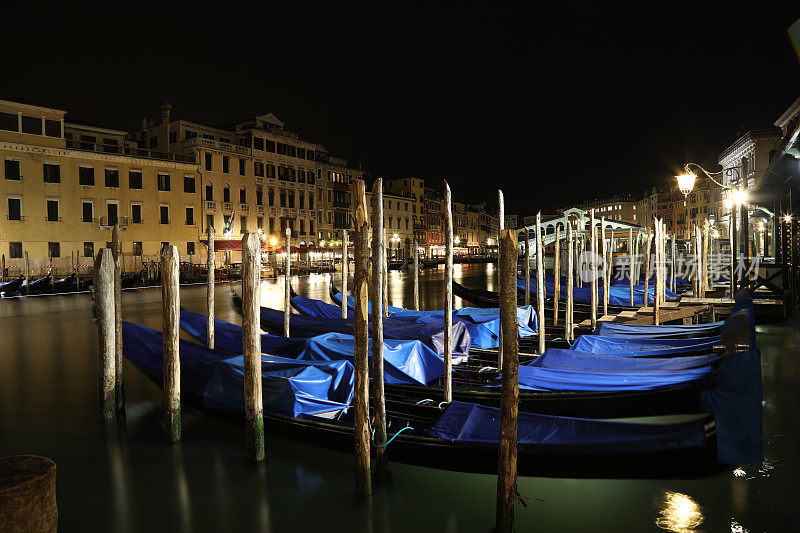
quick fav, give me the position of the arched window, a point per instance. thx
(209, 192)
(259, 195)
(243, 195)
(226, 194)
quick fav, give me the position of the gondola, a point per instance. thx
(552, 446)
(37, 286)
(9, 288)
(472, 377)
(131, 280)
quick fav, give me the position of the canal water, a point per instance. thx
(128, 479)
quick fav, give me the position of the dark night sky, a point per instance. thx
(555, 105)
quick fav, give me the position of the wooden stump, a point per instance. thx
(28, 494)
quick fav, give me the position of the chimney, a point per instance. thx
(165, 109)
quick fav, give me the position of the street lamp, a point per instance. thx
(273, 241)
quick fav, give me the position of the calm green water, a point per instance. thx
(129, 480)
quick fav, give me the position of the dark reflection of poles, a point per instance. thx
(114, 433)
(263, 499)
(182, 489)
(222, 500)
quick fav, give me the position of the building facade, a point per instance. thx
(65, 185)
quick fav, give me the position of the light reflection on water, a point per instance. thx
(678, 513)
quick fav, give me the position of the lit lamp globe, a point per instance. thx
(273, 241)
(740, 196)
(728, 203)
(787, 219)
(686, 182)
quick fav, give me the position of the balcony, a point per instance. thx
(199, 142)
(227, 206)
(211, 205)
(245, 208)
(259, 181)
(106, 222)
(48, 219)
(130, 151)
(260, 209)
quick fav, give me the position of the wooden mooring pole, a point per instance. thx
(647, 269)
(527, 267)
(361, 341)
(631, 261)
(593, 280)
(448, 298)
(170, 325)
(416, 274)
(210, 289)
(345, 273)
(509, 399)
(378, 282)
(385, 278)
(28, 274)
(287, 283)
(605, 263)
(556, 276)
(116, 251)
(569, 332)
(541, 289)
(657, 291)
(501, 213)
(251, 339)
(106, 330)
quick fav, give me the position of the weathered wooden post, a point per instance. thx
(287, 283)
(556, 276)
(569, 332)
(509, 399)
(378, 280)
(631, 261)
(672, 262)
(28, 274)
(605, 264)
(416, 274)
(28, 494)
(52, 271)
(501, 212)
(170, 325)
(106, 330)
(657, 288)
(345, 272)
(116, 251)
(541, 289)
(609, 261)
(251, 339)
(706, 238)
(361, 341)
(593, 281)
(210, 289)
(647, 269)
(448, 297)
(731, 244)
(385, 282)
(527, 267)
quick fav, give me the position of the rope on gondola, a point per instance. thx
(393, 437)
(521, 499)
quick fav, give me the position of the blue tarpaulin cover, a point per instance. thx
(467, 423)
(642, 347)
(736, 398)
(565, 379)
(409, 362)
(289, 387)
(617, 295)
(575, 360)
(431, 333)
(610, 329)
(483, 324)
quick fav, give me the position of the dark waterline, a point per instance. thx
(129, 480)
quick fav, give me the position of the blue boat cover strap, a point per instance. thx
(639, 346)
(289, 386)
(472, 424)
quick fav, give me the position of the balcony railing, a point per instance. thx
(56, 219)
(260, 209)
(19, 218)
(227, 206)
(130, 151)
(123, 222)
(217, 145)
(211, 205)
(244, 208)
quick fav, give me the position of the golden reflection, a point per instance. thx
(678, 513)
